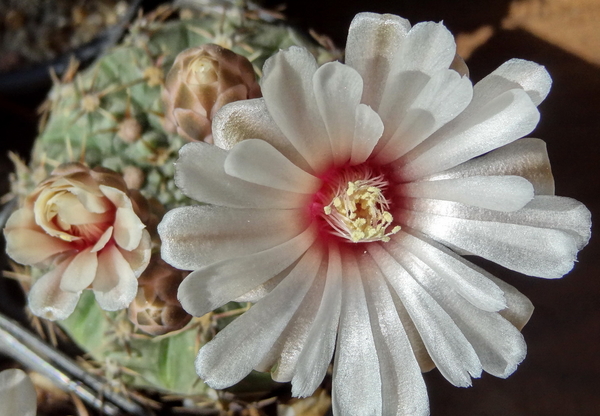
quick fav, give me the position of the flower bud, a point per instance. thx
(83, 223)
(155, 309)
(201, 81)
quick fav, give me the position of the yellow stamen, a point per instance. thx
(359, 211)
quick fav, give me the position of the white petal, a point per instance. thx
(525, 157)
(544, 211)
(258, 162)
(518, 73)
(519, 308)
(443, 97)
(288, 92)
(499, 345)
(426, 51)
(250, 119)
(90, 200)
(21, 230)
(286, 350)
(401, 92)
(81, 271)
(428, 47)
(470, 281)
(357, 385)
(200, 174)
(20, 249)
(115, 285)
(196, 236)
(17, 394)
(500, 193)
(72, 211)
(243, 344)
(560, 213)
(373, 42)
(216, 284)
(500, 121)
(447, 346)
(416, 342)
(127, 228)
(257, 293)
(318, 349)
(337, 90)
(403, 387)
(47, 300)
(513, 240)
(139, 258)
(104, 238)
(116, 196)
(368, 128)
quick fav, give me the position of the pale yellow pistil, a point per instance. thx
(359, 212)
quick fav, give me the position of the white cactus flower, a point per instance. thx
(341, 204)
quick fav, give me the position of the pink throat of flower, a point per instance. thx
(352, 205)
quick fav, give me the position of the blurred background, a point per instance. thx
(561, 374)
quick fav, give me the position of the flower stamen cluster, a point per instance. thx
(358, 209)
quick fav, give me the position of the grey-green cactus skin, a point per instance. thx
(87, 115)
(86, 112)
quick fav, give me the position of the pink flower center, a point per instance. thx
(62, 215)
(352, 204)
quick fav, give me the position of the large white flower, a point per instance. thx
(342, 204)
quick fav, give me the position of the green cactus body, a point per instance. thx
(163, 363)
(125, 83)
(84, 121)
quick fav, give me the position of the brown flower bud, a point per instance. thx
(155, 309)
(201, 81)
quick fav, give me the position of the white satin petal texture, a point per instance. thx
(47, 300)
(527, 158)
(242, 345)
(374, 41)
(200, 174)
(231, 278)
(210, 234)
(290, 99)
(255, 160)
(419, 166)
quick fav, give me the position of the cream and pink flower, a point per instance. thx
(342, 203)
(83, 224)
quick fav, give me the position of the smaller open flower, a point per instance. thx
(17, 393)
(201, 81)
(85, 224)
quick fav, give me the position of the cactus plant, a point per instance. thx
(112, 115)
